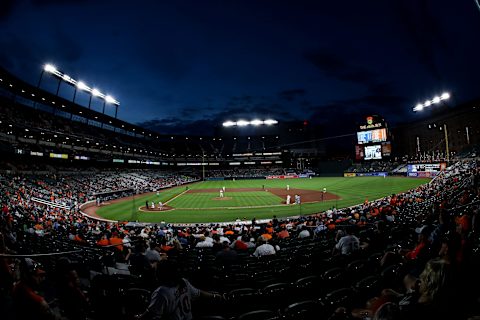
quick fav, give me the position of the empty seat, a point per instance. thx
(258, 315)
(307, 287)
(334, 278)
(368, 287)
(302, 310)
(344, 297)
(357, 269)
(276, 295)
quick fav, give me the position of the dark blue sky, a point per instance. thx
(187, 65)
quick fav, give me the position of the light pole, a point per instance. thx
(428, 103)
(446, 142)
(203, 166)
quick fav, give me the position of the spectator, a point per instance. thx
(28, 303)
(263, 248)
(304, 233)
(173, 298)
(347, 244)
(226, 256)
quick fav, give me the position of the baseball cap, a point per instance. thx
(33, 267)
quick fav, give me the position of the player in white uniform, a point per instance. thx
(153, 205)
(221, 193)
(288, 199)
(288, 187)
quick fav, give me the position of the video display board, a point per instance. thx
(377, 135)
(373, 152)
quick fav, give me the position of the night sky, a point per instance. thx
(184, 66)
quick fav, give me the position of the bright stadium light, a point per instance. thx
(82, 86)
(435, 100)
(244, 123)
(418, 107)
(78, 84)
(50, 68)
(270, 122)
(229, 124)
(109, 99)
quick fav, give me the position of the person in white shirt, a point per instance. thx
(264, 249)
(173, 298)
(203, 243)
(221, 193)
(288, 187)
(288, 199)
(304, 233)
(347, 244)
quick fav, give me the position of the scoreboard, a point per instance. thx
(373, 140)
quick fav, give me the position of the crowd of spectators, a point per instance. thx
(245, 172)
(373, 166)
(411, 255)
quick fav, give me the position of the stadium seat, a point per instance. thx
(135, 301)
(334, 278)
(344, 297)
(258, 315)
(307, 287)
(242, 297)
(357, 269)
(392, 275)
(303, 310)
(368, 287)
(275, 295)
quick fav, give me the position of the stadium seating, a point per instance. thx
(300, 281)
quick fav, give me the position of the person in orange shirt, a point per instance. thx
(79, 238)
(267, 236)
(269, 229)
(116, 242)
(283, 233)
(103, 241)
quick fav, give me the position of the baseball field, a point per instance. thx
(244, 199)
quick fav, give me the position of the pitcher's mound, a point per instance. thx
(222, 198)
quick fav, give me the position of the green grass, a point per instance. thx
(351, 191)
(234, 199)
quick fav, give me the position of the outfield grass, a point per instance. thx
(351, 191)
(233, 199)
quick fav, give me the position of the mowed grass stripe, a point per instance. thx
(352, 191)
(238, 199)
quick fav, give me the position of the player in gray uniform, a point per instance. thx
(172, 300)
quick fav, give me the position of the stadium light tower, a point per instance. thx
(435, 100)
(78, 85)
(244, 123)
(428, 103)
